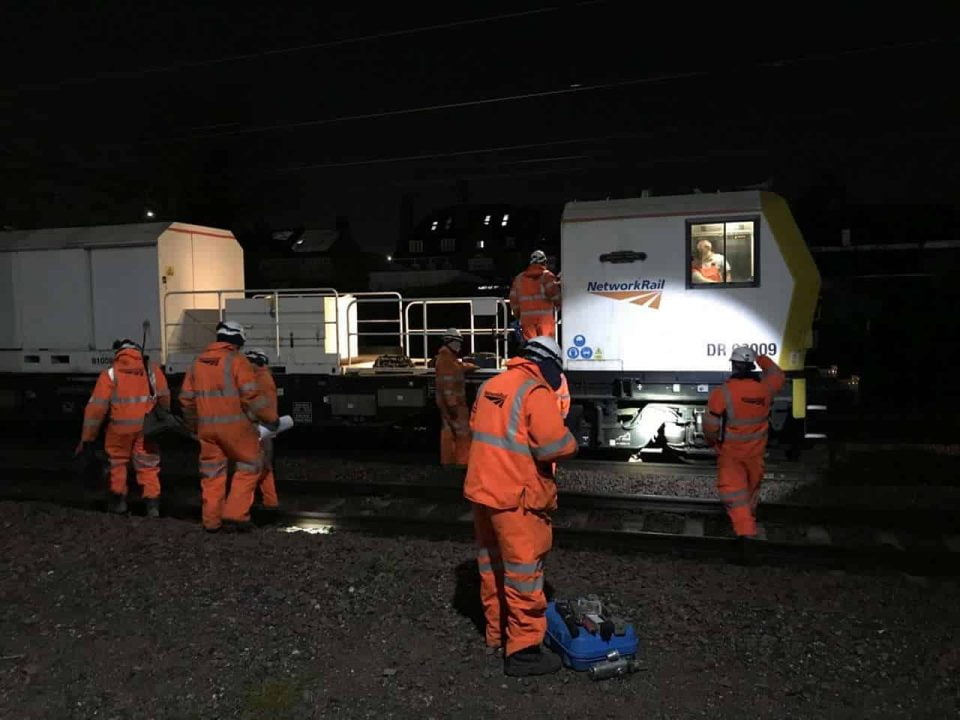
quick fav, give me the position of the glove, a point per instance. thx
(272, 426)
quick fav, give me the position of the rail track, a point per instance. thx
(917, 542)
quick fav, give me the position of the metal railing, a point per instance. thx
(497, 332)
(274, 295)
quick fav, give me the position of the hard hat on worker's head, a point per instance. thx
(452, 335)
(231, 332)
(743, 354)
(257, 357)
(542, 347)
(124, 344)
(538, 257)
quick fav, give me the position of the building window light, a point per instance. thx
(506, 219)
(486, 220)
(434, 225)
(480, 244)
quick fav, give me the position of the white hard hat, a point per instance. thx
(542, 347)
(231, 331)
(452, 334)
(743, 354)
(257, 356)
(538, 257)
(124, 344)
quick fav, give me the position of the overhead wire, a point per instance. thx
(327, 44)
(570, 90)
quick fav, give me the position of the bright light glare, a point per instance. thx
(389, 258)
(150, 213)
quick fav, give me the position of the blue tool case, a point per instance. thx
(589, 651)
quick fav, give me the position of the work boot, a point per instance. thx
(237, 526)
(748, 550)
(153, 507)
(531, 661)
(117, 504)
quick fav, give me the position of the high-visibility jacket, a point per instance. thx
(451, 381)
(268, 388)
(517, 434)
(123, 391)
(534, 293)
(563, 397)
(221, 388)
(738, 411)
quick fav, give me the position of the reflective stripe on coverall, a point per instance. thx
(533, 295)
(219, 390)
(123, 391)
(268, 483)
(517, 435)
(452, 403)
(741, 409)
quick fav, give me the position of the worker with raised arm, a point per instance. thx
(268, 388)
(219, 391)
(736, 422)
(452, 400)
(534, 295)
(518, 435)
(123, 392)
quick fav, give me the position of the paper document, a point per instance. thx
(286, 422)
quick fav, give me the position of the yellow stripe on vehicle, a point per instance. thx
(797, 335)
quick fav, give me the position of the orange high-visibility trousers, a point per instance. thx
(121, 448)
(268, 483)
(511, 547)
(455, 438)
(240, 443)
(738, 483)
(536, 327)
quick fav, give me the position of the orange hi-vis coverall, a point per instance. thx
(563, 397)
(123, 390)
(452, 402)
(534, 294)
(736, 421)
(517, 435)
(268, 483)
(219, 389)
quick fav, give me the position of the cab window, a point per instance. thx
(722, 253)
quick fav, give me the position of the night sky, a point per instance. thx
(234, 117)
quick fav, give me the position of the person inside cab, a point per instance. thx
(708, 266)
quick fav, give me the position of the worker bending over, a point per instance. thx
(220, 392)
(124, 391)
(518, 433)
(533, 296)
(268, 389)
(736, 422)
(452, 400)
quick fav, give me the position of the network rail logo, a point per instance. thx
(646, 293)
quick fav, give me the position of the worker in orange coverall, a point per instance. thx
(123, 391)
(268, 484)
(517, 435)
(533, 296)
(736, 422)
(452, 401)
(219, 390)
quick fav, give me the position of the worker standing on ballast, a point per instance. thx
(533, 296)
(268, 389)
(219, 390)
(518, 434)
(736, 422)
(124, 391)
(452, 400)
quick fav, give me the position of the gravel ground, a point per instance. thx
(127, 618)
